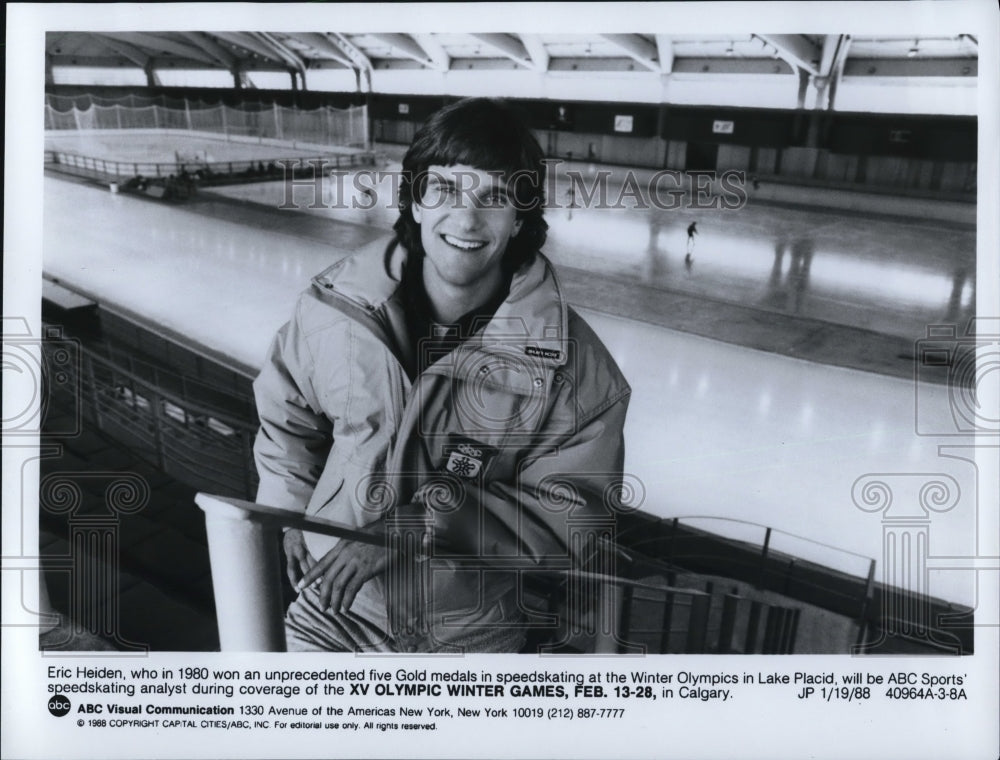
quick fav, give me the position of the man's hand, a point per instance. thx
(300, 561)
(345, 569)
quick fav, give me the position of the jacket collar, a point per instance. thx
(533, 319)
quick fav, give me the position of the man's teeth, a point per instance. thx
(465, 245)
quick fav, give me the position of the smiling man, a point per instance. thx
(440, 377)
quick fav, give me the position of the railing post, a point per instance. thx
(674, 525)
(697, 625)
(763, 558)
(789, 569)
(624, 612)
(791, 631)
(730, 603)
(667, 621)
(246, 452)
(246, 577)
(610, 598)
(773, 628)
(865, 606)
(608, 616)
(155, 403)
(869, 587)
(753, 624)
(95, 395)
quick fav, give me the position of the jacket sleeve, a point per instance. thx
(295, 436)
(561, 494)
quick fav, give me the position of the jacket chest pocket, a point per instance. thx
(486, 395)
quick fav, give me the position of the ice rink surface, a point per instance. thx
(805, 262)
(714, 430)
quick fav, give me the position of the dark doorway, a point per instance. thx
(552, 143)
(701, 156)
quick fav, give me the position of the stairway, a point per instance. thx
(128, 578)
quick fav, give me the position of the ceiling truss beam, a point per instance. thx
(157, 44)
(434, 49)
(797, 50)
(213, 48)
(246, 41)
(637, 48)
(665, 53)
(536, 49)
(408, 47)
(128, 51)
(509, 46)
(289, 57)
(322, 43)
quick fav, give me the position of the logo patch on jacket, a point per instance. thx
(543, 353)
(467, 458)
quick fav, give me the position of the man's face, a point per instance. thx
(466, 221)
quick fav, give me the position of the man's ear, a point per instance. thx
(416, 211)
(517, 227)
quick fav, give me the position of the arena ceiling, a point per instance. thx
(820, 59)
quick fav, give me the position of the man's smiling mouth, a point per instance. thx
(463, 244)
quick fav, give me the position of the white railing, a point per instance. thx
(243, 540)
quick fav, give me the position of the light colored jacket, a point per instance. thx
(508, 444)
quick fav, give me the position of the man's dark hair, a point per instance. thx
(487, 134)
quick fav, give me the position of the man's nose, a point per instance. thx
(468, 215)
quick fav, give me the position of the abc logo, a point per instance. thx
(59, 705)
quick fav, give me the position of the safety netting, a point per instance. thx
(321, 126)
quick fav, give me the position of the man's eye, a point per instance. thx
(440, 191)
(498, 199)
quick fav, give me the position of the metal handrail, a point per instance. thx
(218, 169)
(243, 547)
(678, 518)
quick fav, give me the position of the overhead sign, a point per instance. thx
(623, 123)
(723, 127)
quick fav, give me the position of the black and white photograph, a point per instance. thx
(501, 380)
